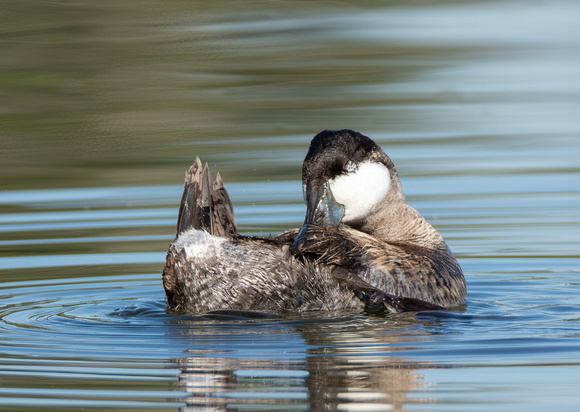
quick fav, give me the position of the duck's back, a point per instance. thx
(205, 272)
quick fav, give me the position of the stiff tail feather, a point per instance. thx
(205, 204)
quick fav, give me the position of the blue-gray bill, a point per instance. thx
(321, 209)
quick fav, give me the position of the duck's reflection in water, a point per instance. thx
(347, 363)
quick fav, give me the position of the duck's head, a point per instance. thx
(346, 177)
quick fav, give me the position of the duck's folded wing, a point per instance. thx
(377, 300)
(410, 278)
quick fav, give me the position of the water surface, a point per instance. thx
(102, 108)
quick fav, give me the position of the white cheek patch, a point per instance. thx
(360, 191)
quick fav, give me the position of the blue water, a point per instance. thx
(102, 109)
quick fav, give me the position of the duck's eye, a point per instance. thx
(349, 167)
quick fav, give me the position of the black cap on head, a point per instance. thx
(331, 150)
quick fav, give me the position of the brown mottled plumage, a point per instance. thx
(389, 259)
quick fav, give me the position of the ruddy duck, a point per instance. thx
(362, 247)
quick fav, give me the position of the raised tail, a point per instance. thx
(205, 204)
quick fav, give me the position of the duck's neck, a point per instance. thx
(398, 223)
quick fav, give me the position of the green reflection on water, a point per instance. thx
(128, 93)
